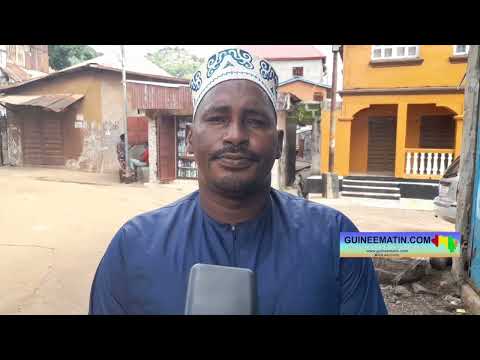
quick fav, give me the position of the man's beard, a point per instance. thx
(234, 187)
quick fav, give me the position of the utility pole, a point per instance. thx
(125, 106)
(331, 185)
(333, 105)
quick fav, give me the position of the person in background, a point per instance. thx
(121, 155)
(143, 161)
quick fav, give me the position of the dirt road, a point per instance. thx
(56, 224)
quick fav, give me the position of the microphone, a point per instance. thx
(220, 290)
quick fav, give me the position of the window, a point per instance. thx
(318, 96)
(460, 50)
(380, 52)
(298, 71)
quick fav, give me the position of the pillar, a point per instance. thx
(342, 146)
(152, 149)
(458, 134)
(400, 139)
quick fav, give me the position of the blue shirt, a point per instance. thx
(292, 246)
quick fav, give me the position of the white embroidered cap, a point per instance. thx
(233, 64)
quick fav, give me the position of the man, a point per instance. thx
(121, 155)
(143, 161)
(236, 218)
(121, 151)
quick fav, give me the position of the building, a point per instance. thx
(19, 63)
(301, 69)
(401, 117)
(74, 117)
(22, 62)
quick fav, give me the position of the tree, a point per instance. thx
(176, 61)
(63, 56)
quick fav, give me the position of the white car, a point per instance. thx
(445, 204)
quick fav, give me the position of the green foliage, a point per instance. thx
(63, 56)
(304, 117)
(176, 61)
(306, 113)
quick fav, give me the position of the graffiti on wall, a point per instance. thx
(14, 146)
(99, 152)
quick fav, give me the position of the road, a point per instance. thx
(56, 224)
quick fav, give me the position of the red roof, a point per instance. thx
(284, 52)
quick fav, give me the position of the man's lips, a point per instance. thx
(235, 161)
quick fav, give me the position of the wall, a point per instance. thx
(302, 90)
(152, 150)
(359, 145)
(436, 69)
(14, 140)
(77, 83)
(312, 69)
(113, 112)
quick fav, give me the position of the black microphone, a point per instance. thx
(220, 290)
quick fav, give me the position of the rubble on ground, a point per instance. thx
(413, 287)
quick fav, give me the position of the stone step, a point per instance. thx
(376, 189)
(393, 184)
(370, 178)
(371, 195)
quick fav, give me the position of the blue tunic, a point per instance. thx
(292, 246)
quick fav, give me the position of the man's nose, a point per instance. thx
(236, 133)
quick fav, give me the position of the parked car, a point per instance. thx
(445, 204)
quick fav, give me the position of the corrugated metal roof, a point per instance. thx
(72, 69)
(16, 73)
(55, 102)
(137, 64)
(147, 96)
(305, 81)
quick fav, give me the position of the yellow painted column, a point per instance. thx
(342, 146)
(325, 126)
(400, 139)
(458, 134)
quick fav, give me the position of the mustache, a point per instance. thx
(234, 149)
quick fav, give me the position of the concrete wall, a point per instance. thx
(14, 140)
(312, 69)
(152, 150)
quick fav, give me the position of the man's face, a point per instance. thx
(235, 139)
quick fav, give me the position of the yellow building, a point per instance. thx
(402, 110)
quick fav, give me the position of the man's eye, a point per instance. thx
(256, 122)
(216, 119)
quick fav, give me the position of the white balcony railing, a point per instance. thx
(427, 163)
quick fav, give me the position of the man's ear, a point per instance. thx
(188, 130)
(280, 134)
